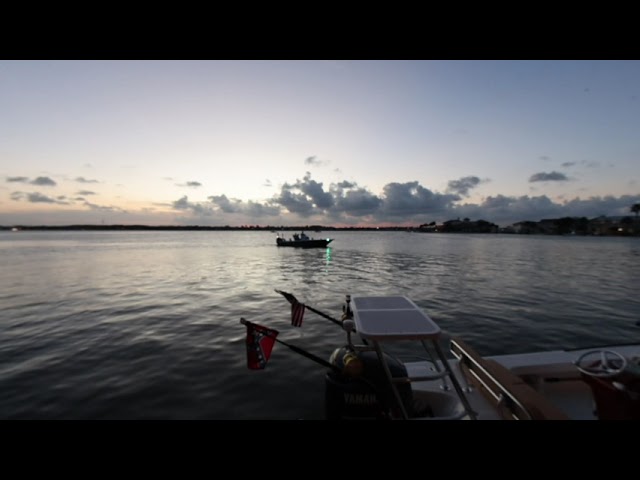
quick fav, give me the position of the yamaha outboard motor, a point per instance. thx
(361, 391)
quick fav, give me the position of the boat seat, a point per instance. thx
(510, 394)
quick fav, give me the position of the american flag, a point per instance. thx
(297, 308)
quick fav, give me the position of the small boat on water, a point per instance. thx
(302, 241)
(367, 379)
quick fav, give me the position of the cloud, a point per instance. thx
(410, 198)
(590, 164)
(568, 164)
(226, 205)
(85, 180)
(354, 201)
(305, 197)
(345, 202)
(463, 185)
(267, 183)
(40, 181)
(544, 157)
(36, 197)
(195, 208)
(221, 204)
(294, 202)
(313, 161)
(103, 208)
(192, 184)
(546, 177)
(314, 190)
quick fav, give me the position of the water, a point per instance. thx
(146, 325)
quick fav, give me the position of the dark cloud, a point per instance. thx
(346, 200)
(192, 184)
(36, 197)
(544, 157)
(257, 210)
(226, 205)
(85, 180)
(568, 164)
(221, 203)
(315, 161)
(354, 201)
(195, 208)
(305, 197)
(505, 210)
(294, 202)
(411, 198)
(546, 177)
(43, 182)
(103, 208)
(315, 192)
(590, 164)
(40, 181)
(39, 198)
(463, 185)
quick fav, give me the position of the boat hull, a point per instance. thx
(304, 243)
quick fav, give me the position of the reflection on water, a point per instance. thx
(146, 324)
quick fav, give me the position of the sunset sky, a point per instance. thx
(316, 142)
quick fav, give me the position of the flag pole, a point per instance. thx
(299, 350)
(337, 322)
(291, 298)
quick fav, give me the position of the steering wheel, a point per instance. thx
(608, 363)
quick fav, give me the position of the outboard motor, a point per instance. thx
(361, 391)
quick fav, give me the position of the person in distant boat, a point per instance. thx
(303, 236)
(295, 237)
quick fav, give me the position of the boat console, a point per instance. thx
(614, 381)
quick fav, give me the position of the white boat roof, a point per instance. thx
(392, 318)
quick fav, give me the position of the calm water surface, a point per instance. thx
(146, 325)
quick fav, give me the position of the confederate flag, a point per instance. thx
(260, 342)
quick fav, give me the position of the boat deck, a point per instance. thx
(557, 383)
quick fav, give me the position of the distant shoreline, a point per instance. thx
(193, 227)
(311, 229)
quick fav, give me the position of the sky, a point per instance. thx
(343, 143)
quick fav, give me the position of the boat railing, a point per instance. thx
(509, 393)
